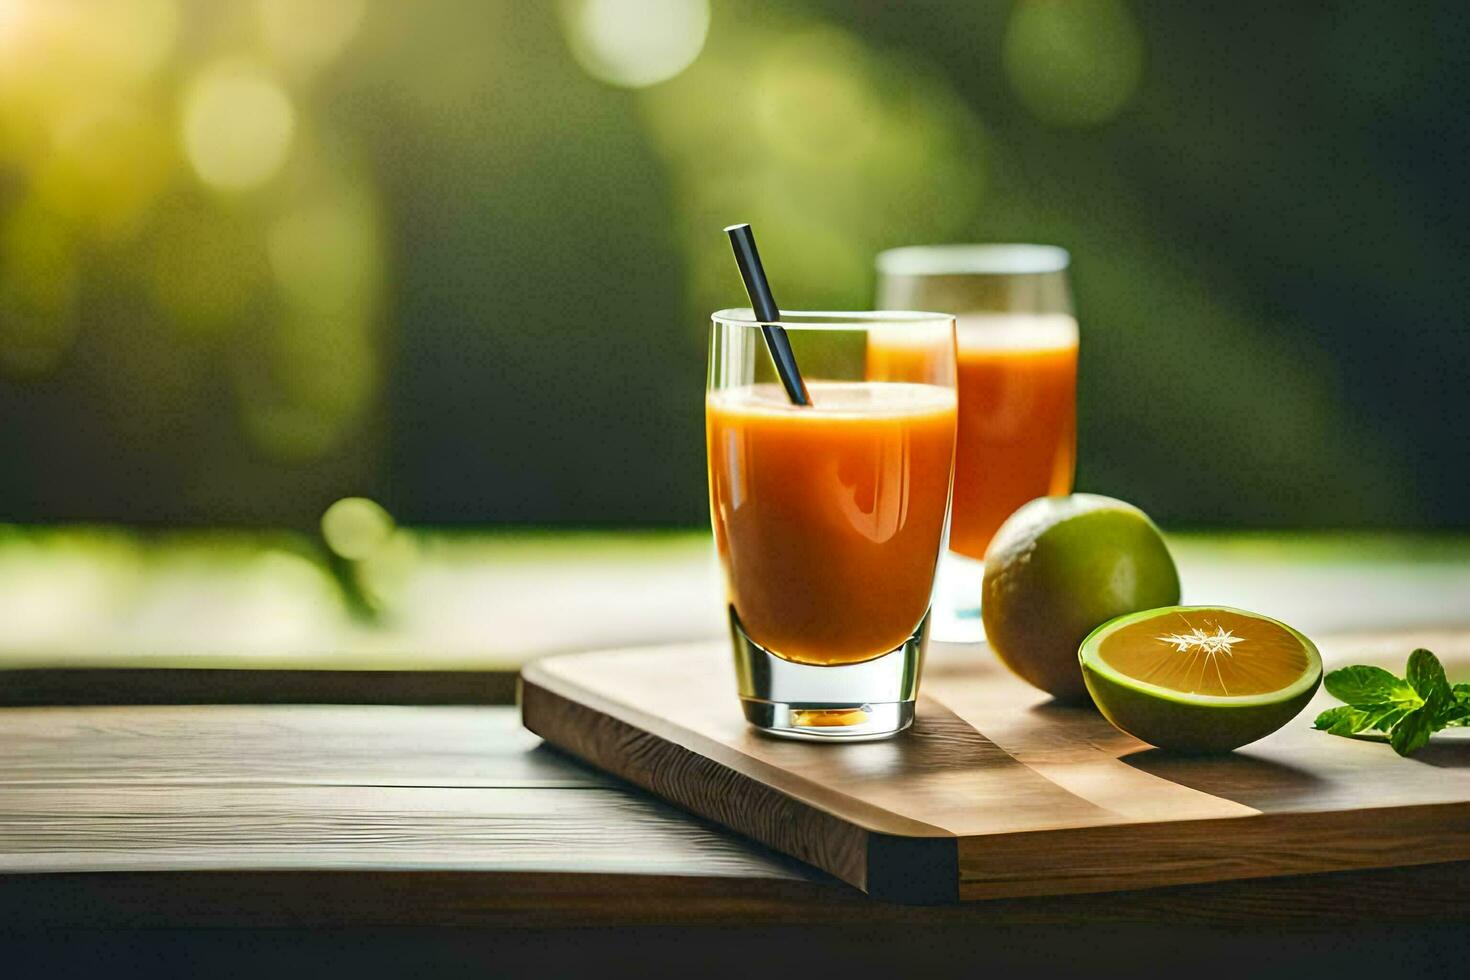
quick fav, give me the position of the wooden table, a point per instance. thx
(366, 831)
(347, 821)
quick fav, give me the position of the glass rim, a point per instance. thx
(993, 259)
(744, 316)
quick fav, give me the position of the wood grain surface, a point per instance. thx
(997, 792)
(327, 788)
(31, 686)
(300, 816)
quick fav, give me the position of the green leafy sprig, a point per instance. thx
(1407, 710)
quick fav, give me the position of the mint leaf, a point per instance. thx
(1382, 717)
(1379, 698)
(1412, 733)
(1366, 685)
(1408, 710)
(1458, 715)
(1426, 677)
(1454, 714)
(1342, 720)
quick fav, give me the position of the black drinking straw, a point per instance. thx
(742, 240)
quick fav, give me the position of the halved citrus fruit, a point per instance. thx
(1199, 678)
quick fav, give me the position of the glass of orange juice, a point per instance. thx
(1017, 369)
(829, 518)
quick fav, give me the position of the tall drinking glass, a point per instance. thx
(1017, 370)
(830, 518)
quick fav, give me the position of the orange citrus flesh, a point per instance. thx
(1211, 652)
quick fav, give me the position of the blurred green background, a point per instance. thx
(457, 256)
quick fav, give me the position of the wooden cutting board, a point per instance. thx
(996, 792)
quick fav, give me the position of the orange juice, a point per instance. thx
(829, 518)
(1017, 438)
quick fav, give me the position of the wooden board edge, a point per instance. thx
(887, 867)
(812, 793)
(1190, 852)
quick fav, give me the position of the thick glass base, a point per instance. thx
(842, 703)
(957, 585)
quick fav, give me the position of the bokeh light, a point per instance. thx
(38, 276)
(1073, 62)
(308, 377)
(109, 162)
(130, 37)
(202, 267)
(306, 36)
(305, 382)
(383, 556)
(356, 528)
(64, 586)
(635, 43)
(12, 19)
(263, 601)
(325, 252)
(237, 125)
(811, 104)
(277, 248)
(123, 40)
(384, 575)
(835, 152)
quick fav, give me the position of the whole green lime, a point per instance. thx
(1060, 567)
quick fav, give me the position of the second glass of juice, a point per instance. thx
(829, 518)
(1017, 370)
